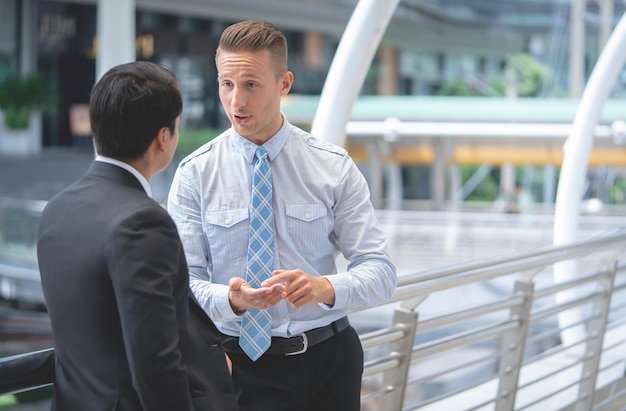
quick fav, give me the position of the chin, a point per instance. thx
(243, 131)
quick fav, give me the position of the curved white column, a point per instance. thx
(576, 157)
(352, 59)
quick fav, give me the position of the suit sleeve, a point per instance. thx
(209, 377)
(143, 261)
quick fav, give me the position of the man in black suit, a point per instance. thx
(128, 334)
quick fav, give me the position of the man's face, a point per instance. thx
(250, 92)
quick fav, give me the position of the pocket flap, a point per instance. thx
(227, 218)
(306, 212)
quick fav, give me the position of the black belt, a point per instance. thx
(297, 344)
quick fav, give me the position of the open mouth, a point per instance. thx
(241, 119)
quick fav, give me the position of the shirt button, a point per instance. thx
(308, 216)
(227, 221)
(284, 321)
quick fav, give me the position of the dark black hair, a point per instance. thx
(129, 105)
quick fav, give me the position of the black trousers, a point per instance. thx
(327, 377)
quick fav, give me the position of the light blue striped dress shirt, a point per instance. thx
(322, 208)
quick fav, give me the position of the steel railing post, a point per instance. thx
(595, 337)
(513, 344)
(396, 378)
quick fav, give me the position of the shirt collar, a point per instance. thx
(144, 183)
(273, 146)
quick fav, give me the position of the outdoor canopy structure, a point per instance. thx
(371, 17)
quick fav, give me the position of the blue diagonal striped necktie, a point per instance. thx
(256, 325)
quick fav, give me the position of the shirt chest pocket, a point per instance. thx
(227, 232)
(309, 226)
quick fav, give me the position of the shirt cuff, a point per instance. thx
(223, 305)
(340, 285)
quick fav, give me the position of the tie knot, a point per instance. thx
(261, 153)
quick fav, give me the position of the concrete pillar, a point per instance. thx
(116, 34)
(387, 84)
(438, 176)
(455, 187)
(549, 186)
(577, 48)
(606, 22)
(28, 40)
(507, 180)
(313, 50)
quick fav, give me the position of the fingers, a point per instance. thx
(296, 286)
(299, 286)
(249, 297)
(235, 283)
(229, 364)
(281, 277)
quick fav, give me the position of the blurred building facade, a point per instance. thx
(427, 45)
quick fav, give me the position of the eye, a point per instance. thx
(252, 84)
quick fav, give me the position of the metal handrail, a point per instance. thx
(511, 331)
(500, 341)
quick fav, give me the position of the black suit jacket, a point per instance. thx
(128, 335)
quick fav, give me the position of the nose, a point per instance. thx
(238, 97)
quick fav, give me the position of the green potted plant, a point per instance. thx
(20, 97)
(23, 98)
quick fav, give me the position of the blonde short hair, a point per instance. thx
(255, 36)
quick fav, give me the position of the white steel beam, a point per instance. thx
(352, 59)
(574, 168)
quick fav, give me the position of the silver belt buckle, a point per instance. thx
(305, 345)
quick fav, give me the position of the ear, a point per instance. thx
(286, 82)
(162, 138)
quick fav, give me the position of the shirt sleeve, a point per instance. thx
(371, 276)
(184, 205)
